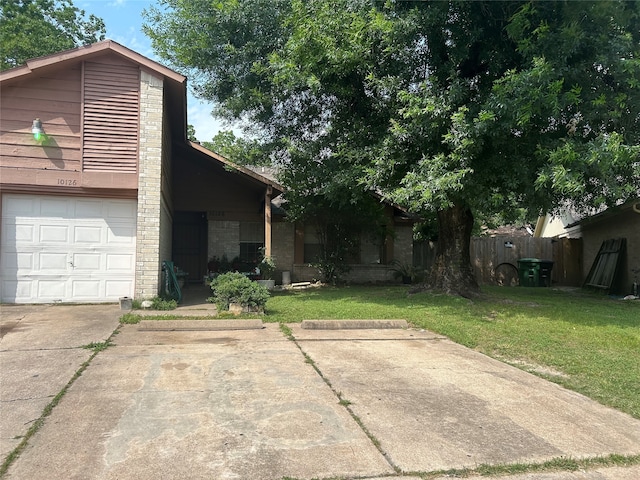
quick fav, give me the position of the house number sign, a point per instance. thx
(67, 182)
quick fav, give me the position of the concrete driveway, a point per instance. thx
(254, 404)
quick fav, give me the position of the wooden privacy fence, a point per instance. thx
(495, 259)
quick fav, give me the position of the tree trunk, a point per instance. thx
(452, 272)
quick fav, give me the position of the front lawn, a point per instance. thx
(588, 343)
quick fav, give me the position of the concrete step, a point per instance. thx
(199, 325)
(352, 324)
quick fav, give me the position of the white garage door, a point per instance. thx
(66, 249)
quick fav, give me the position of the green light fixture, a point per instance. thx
(37, 130)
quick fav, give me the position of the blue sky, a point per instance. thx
(123, 20)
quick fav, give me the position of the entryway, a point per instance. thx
(189, 250)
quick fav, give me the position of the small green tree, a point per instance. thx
(33, 28)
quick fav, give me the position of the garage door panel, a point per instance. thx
(20, 261)
(21, 233)
(17, 207)
(89, 262)
(17, 289)
(66, 249)
(89, 209)
(118, 262)
(53, 234)
(120, 211)
(56, 208)
(121, 234)
(85, 289)
(118, 288)
(53, 262)
(89, 235)
(51, 290)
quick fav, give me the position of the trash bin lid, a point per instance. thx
(533, 260)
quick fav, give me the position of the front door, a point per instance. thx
(190, 244)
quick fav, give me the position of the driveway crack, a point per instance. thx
(341, 400)
(39, 422)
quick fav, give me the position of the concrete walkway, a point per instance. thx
(253, 404)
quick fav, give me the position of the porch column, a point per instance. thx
(267, 221)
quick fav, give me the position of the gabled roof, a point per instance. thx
(175, 84)
(56, 60)
(277, 188)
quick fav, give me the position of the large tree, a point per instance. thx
(33, 28)
(452, 108)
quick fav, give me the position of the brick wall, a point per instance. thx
(283, 239)
(166, 232)
(403, 244)
(166, 207)
(357, 274)
(149, 186)
(367, 272)
(224, 239)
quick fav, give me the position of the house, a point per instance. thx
(622, 221)
(112, 187)
(99, 185)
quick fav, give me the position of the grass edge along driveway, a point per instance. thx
(585, 342)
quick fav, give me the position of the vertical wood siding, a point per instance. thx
(55, 99)
(110, 116)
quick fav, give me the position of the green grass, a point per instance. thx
(588, 343)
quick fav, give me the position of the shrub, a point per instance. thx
(233, 287)
(136, 304)
(159, 303)
(407, 272)
(332, 267)
(267, 266)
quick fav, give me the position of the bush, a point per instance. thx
(233, 287)
(332, 268)
(159, 303)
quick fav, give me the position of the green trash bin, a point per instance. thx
(544, 274)
(533, 272)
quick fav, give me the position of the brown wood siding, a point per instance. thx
(111, 116)
(55, 99)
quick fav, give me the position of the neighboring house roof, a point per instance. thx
(608, 213)
(507, 231)
(567, 222)
(175, 85)
(268, 172)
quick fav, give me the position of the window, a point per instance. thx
(312, 245)
(251, 241)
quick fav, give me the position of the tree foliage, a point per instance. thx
(451, 108)
(34, 28)
(240, 150)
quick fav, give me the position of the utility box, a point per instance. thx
(533, 272)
